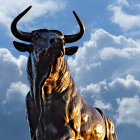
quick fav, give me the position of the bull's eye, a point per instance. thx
(36, 35)
(52, 40)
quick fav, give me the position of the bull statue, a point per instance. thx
(55, 109)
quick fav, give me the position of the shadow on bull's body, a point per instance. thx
(55, 110)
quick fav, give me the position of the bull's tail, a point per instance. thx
(110, 131)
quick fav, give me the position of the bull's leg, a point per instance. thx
(32, 115)
(111, 135)
(66, 134)
(110, 130)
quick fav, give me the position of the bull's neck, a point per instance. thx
(58, 80)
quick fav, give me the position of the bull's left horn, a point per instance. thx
(19, 34)
(76, 37)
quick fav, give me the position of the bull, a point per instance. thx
(55, 109)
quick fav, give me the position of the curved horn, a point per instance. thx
(19, 34)
(75, 37)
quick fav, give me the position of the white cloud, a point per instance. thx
(120, 87)
(6, 56)
(128, 110)
(127, 83)
(104, 93)
(8, 60)
(12, 73)
(96, 60)
(117, 76)
(13, 89)
(122, 18)
(11, 8)
(93, 88)
(123, 2)
(16, 91)
(93, 95)
(109, 52)
(102, 105)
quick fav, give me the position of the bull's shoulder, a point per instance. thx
(75, 104)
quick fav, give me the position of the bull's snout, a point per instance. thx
(58, 45)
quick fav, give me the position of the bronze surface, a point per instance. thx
(55, 109)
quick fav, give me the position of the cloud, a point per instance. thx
(109, 52)
(95, 88)
(92, 93)
(122, 17)
(104, 56)
(16, 91)
(123, 2)
(119, 98)
(13, 89)
(102, 105)
(127, 83)
(115, 77)
(11, 8)
(128, 110)
(13, 76)
(121, 87)
(11, 66)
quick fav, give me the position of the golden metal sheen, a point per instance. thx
(55, 109)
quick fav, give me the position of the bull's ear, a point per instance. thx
(23, 47)
(71, 50)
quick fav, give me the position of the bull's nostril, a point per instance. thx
(52, 40)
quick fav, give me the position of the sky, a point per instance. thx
(106, 68)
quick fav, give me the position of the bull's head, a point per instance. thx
(44, 40)
(44, 49)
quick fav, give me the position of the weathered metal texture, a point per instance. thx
(55, 110)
